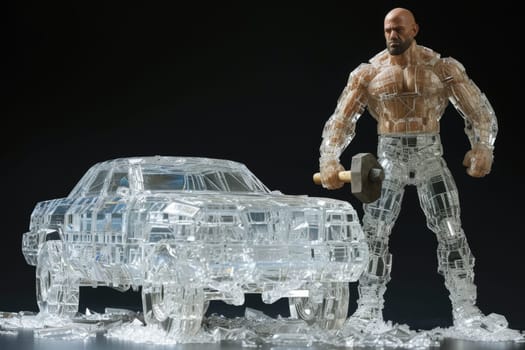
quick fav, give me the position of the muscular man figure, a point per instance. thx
(406, 88)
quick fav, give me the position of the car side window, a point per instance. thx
(118, 179)
(213, 182)
(98, 183)
(163, 182)
(236, 182)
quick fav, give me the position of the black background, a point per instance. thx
(252, 82)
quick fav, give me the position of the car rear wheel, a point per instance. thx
(57, 289)
(328, 312)
(177, 310)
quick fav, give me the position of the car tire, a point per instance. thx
(177, 310)
(57, 289)
(330, 313)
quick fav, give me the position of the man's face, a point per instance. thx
(399, 34)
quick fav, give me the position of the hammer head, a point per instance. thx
(367, 177)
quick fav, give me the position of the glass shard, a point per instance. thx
(252, 330)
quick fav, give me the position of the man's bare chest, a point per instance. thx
(394, 82)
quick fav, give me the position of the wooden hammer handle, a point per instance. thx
(345, 176)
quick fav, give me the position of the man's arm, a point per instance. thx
(481, 125)
(339, 130)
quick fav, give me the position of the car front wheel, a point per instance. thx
(57, 289)
(328, 312)
(177, 310)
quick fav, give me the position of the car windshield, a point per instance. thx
(220, 180)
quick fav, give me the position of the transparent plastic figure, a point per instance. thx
(406, 88)
(189, 230)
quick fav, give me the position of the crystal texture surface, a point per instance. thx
(188, 230)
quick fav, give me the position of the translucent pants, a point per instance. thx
(415, 160)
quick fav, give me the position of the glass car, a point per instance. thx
(187, 230)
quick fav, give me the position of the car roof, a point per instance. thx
(174, 163)
(187, 162)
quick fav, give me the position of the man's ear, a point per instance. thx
(415, 29)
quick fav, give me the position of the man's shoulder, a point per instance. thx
(449, 69)
(430, 57)
(362, 74)
(380, 59)
(427, 56)
(363, 69)
(451, 63)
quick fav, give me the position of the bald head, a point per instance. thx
(400, 13)
(400, 30)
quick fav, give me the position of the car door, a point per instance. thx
(111, 218)
(81, 218)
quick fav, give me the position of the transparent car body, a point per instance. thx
(190, 230)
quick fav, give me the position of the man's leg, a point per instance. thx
(379, 218)
(438, 196)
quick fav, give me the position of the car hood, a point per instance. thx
(237, 201)
(267, 217)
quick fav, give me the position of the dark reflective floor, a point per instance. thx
(26, 341)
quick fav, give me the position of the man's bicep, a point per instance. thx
(354, 98)
(462, 91)
(340, 128)
(480, 120)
